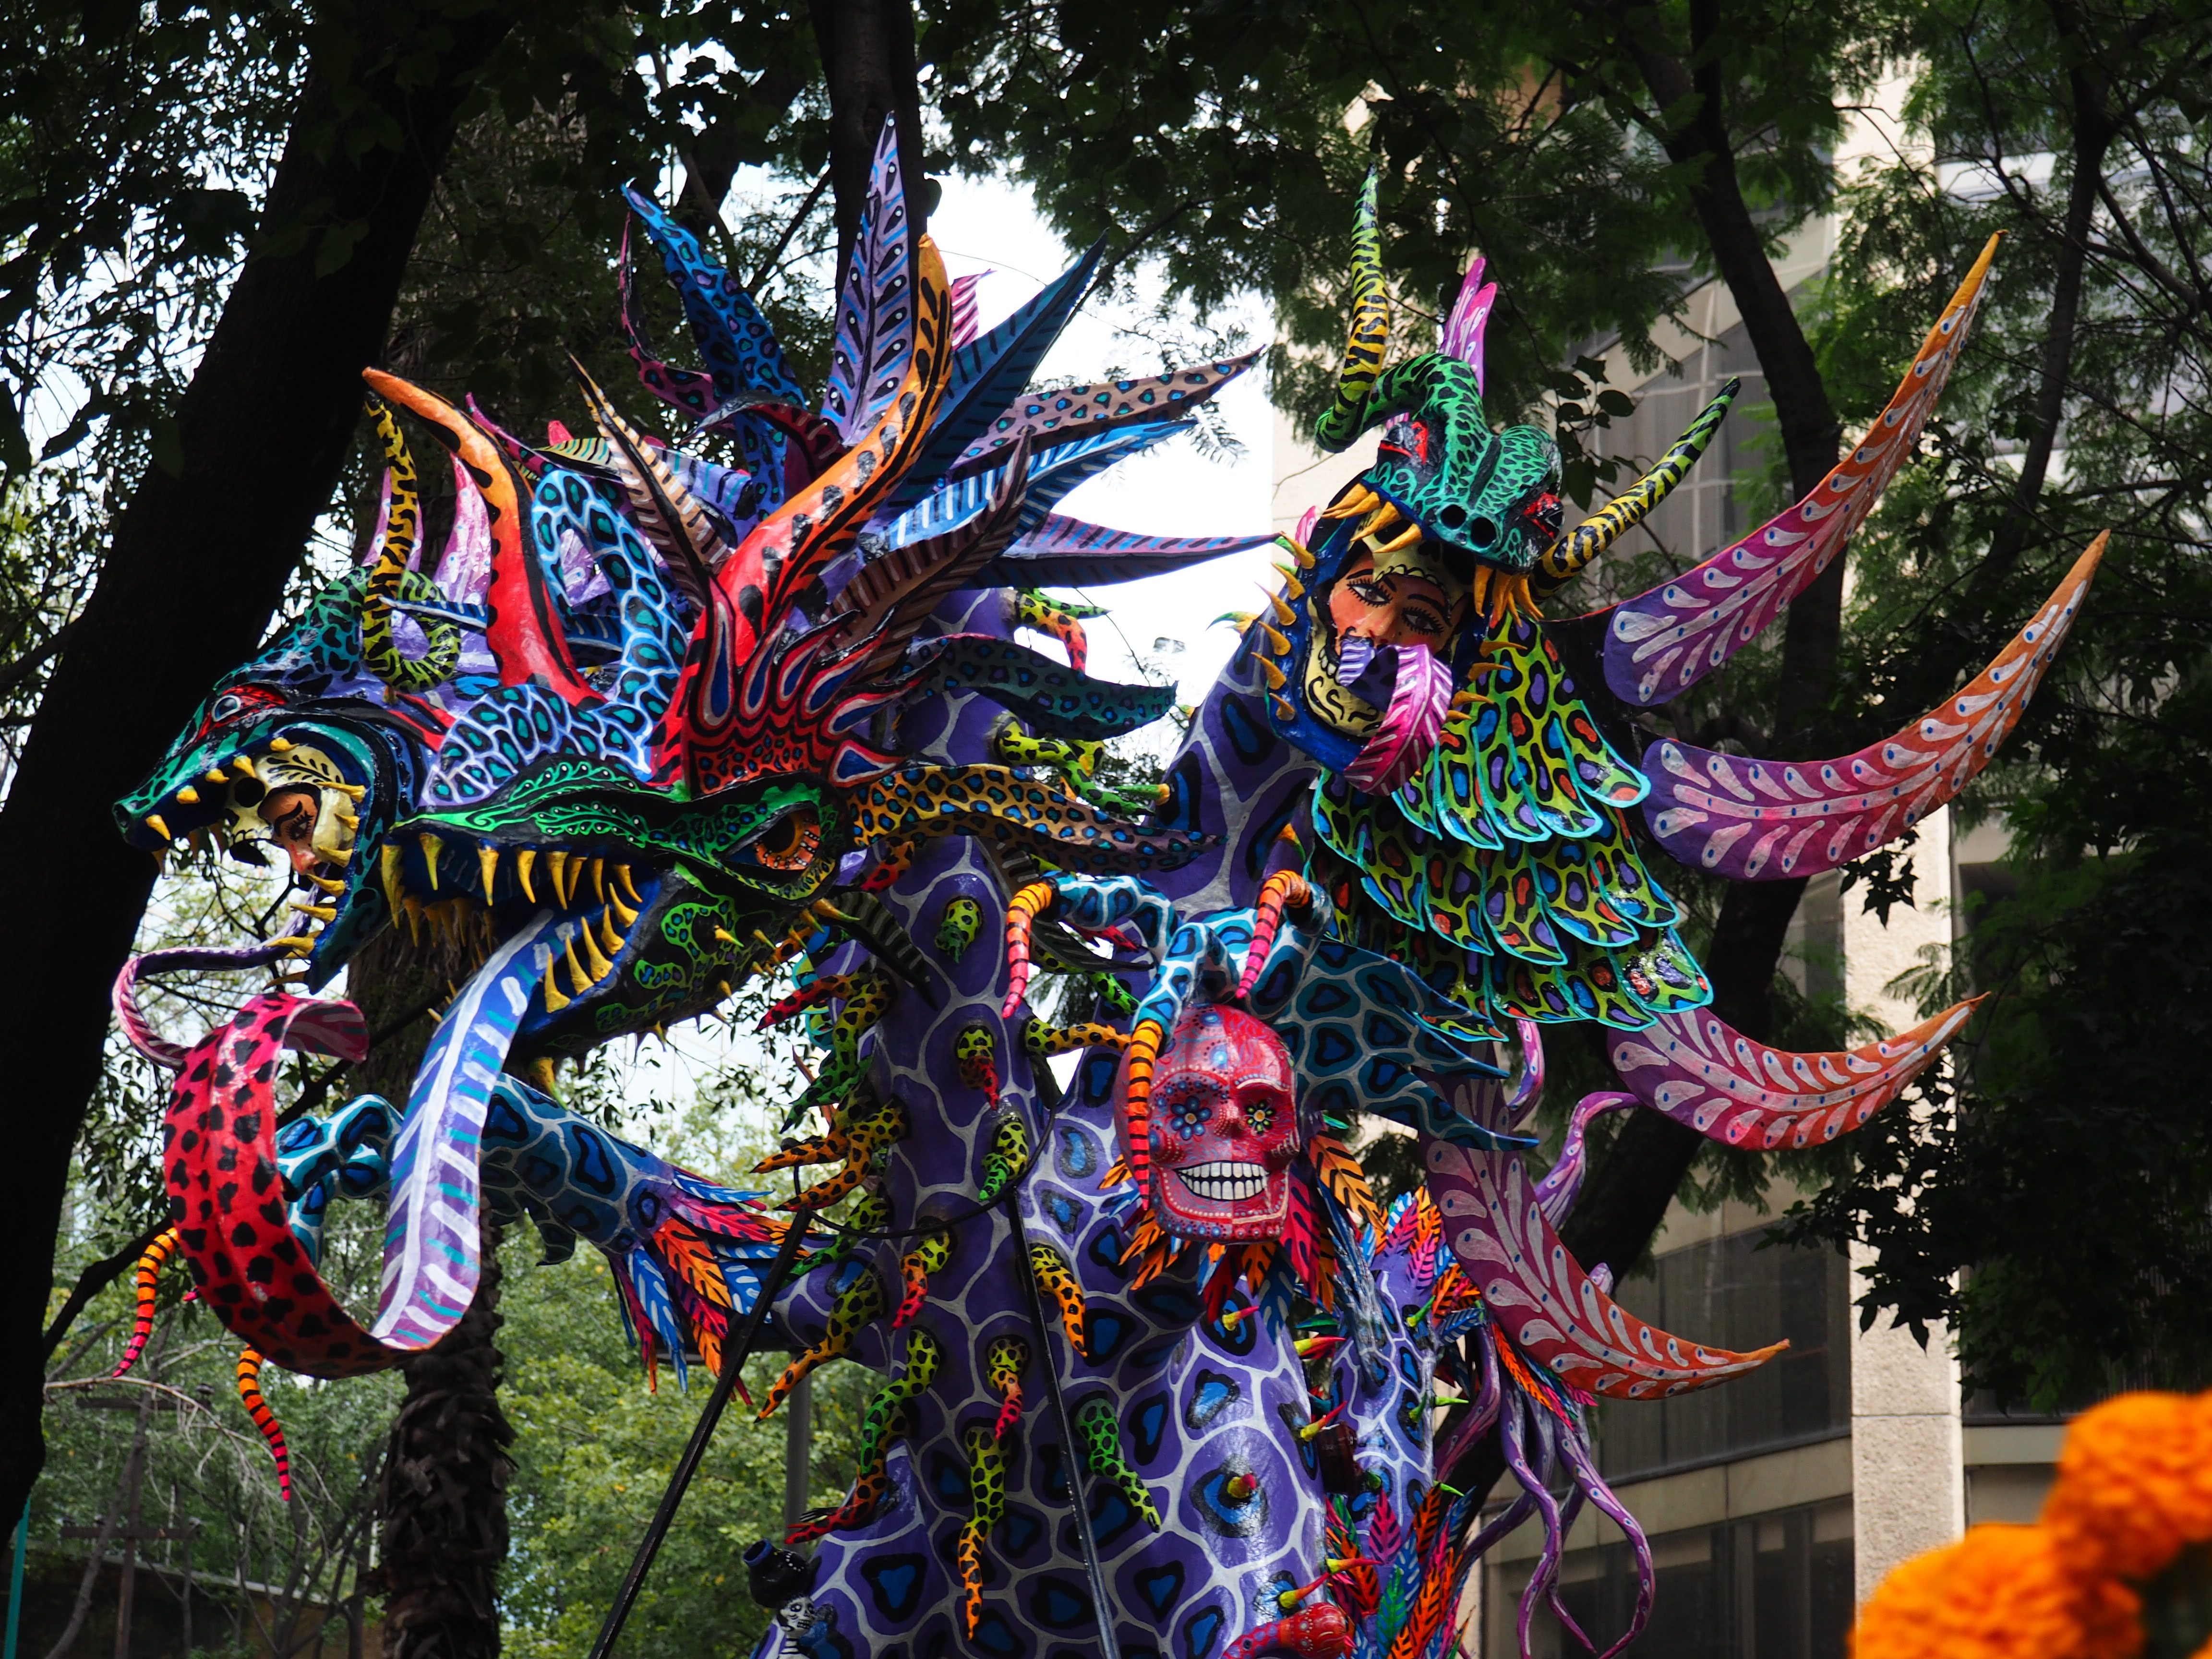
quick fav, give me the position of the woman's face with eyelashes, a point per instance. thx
(290, 814)
(1395, 608)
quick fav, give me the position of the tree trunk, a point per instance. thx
(197, 566)
(445, 1490)
(868, 59)
(1625, 1198)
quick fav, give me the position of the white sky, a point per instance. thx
(1170, 490)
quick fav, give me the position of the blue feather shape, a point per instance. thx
(874, 341)
(659, 1304)
(990, 373)
(1064, 552)
(737, 344)
(1052, 475)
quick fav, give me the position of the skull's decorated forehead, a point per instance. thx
(1225, 1048)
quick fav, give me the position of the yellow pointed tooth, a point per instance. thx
(577, 976)
(431, 847)
(609, 940)
(154, 821)
(280, 745)
(300, 944)
(243, 765)
(411, 908)
(599, 881)
(1284, 615)
(523, 861)
(340, 856)
(594, 959)
(725, 936)
(555, 1002)
(327, 884)
(350, 791)
(556, 864)
(215, 774)
(616, 905)
(388, 867)
(1276, 679)
(1277, 641)
(320, 912)
(1304, 554)
(629, 887)
(487, 867)
(1404, 538)
(1285, 708)
(347, 819)
(188, 796)
(1358, 501)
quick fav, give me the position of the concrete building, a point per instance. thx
(1774, 1502)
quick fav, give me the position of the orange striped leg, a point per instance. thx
(249, 1390)
(150, 1272)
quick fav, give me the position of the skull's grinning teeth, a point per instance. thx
(1224, 1184)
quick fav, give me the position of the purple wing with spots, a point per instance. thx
(1756, 820)
(1660, 643)
(1709, 1076)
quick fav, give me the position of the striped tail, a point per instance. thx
(249, 1390)
(149, 1272)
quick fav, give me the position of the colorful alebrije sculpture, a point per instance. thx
(656, 724)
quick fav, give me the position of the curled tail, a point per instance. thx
(249, 1390)
(150, 1272)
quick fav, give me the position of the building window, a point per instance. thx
(1731, 1293)
(1775, 1586)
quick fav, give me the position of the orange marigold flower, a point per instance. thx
(2135, 1484)
(1998, 1593)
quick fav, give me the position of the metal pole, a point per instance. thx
(15, 1581)
(798, 1451)
(733, 1360)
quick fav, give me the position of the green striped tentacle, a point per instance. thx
(1370, 331)
(391, 579)
(1567, 556)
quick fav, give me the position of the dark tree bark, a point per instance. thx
(445, 1490)
(197, 566)
(1625, 1198)
(868, 59)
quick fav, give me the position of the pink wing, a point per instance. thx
(1470, 317)
(1542, 1295)
(1660, 643)
(1765, 820)
(1713, 1078)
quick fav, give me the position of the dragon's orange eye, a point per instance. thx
(789, 843)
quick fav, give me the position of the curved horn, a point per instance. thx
(525, 633)
(1370, 331)
(1567, 556)
(380, 651)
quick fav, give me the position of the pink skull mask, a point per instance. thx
(1224, 1130)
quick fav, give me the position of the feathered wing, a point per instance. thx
(1705, 1074)
(1054, 416)
(1660, 643)
(872, 351)
(1064, 552)
(1534, 1287)
(1755, 820)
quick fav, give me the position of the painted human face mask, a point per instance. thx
(1223, 1129)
